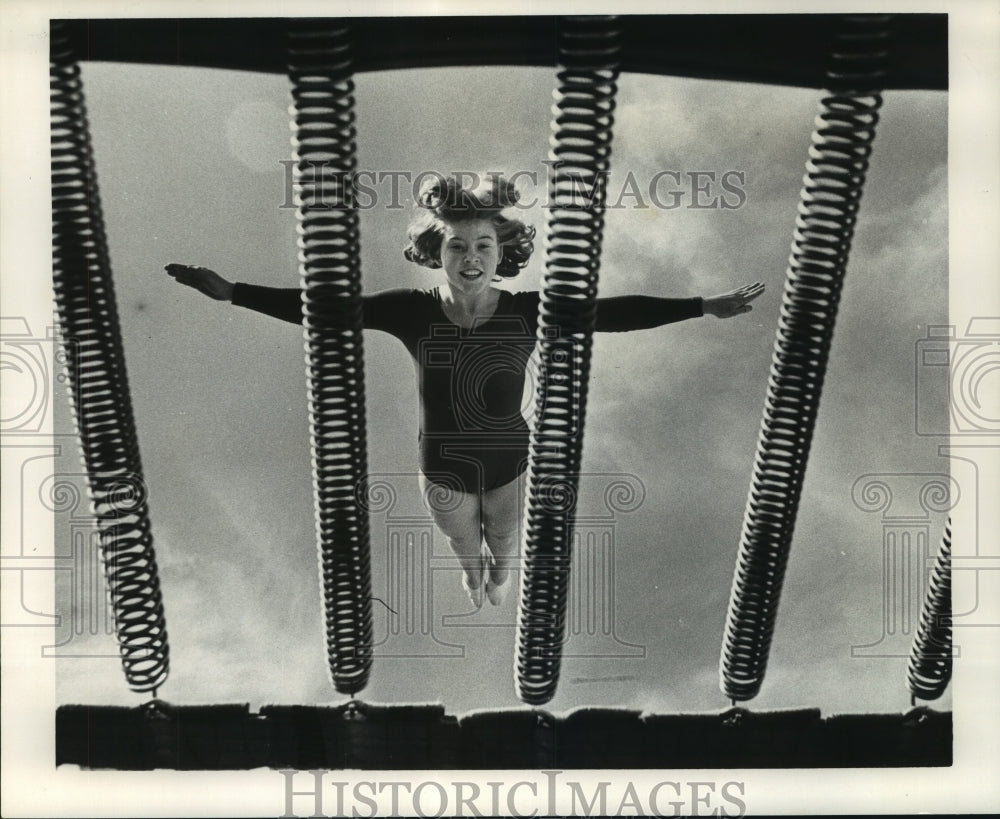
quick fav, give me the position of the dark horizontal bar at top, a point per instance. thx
(780, 49)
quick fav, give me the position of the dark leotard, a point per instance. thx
(473, 435)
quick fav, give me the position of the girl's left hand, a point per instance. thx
(733, 303)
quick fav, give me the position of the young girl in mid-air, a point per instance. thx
(470, 342)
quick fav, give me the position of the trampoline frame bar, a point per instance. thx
(778, 49)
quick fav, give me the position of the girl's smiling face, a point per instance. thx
(470, 253)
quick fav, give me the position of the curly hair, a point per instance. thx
(446, 201)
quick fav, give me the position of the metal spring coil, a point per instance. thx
(824, 226)
(580, 156)
(95, 370)
(929, 669)
(325, 160)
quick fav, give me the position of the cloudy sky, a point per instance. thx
(189, 163)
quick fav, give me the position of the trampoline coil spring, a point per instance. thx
(824, 227)
(325, 162)
(98, 383)
(580, 160)
(929, 669)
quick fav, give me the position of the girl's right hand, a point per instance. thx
(202, 279)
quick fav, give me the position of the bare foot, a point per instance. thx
(474, 586)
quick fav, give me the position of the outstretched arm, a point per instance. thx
(620, 313)
(284, 303)
(391, 311)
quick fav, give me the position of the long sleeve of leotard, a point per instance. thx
(386, 310)
(618, 314)
(283, 303)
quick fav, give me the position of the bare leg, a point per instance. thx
(502, 528)
(458, 515)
